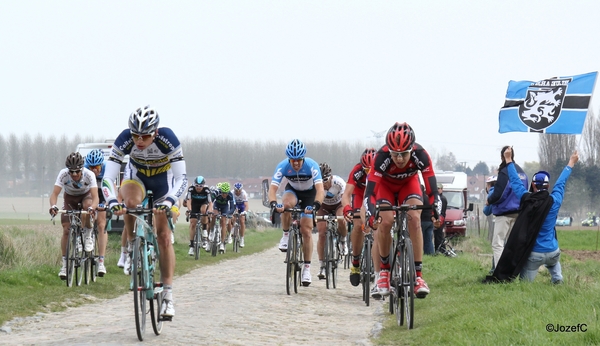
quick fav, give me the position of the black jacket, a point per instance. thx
(533, 212)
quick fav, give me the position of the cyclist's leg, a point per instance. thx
(289, 200)
(342, 230)
(243, 224)
(384, 239)
(86, 202)
(133, 193)
(195, 208)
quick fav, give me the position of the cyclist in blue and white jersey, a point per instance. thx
(80, 187)
(198, 200)
(155, 163)
(304, 188)
(225, 206)
(94, 161)
(334, 187)
(241, 204)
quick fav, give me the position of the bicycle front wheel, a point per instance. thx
(197, 240)
(156, 301)
(366, 268)
(79, 260)
(94, 258)
(290, 269)
(328, 255)
(408, 278)
(71, 255)
(139, 290)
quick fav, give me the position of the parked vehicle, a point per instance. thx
(590, 222)
(455, 190)
(564, 221)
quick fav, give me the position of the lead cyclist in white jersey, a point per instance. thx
(304, 188)
(155, 163)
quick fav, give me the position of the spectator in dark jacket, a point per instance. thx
(427, 225)
(439, 231)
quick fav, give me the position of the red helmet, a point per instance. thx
(400, 137)
(366, 160)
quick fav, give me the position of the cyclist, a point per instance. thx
(241, 204)
(394, 177)
(155, 163)
(334, 187)
(352, 201)
(200, 201)
(94, 161)
(304, 188)
(224, 205)
(80, 187)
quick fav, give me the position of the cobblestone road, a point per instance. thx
(237, 302)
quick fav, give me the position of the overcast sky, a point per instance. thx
(314, 70)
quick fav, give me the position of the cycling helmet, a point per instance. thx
(295, 150)
(400, 137)
(199, 180)
(366, 160)
(224, 188)
(238, 186)
(325, 170)
(94, 158)
(492, 179)
(74, 161)
(143, 121)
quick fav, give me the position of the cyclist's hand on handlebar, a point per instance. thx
(91, 211)
(372, 223)
(118, 208)
(53, 210)
(309, 209)
(161, 208)
(348, 215)
(101, 207)
(279, 208)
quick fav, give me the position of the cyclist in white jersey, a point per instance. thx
(305, 189)
(80, 187)
(240, 198)
(334, 187)
(155, 163)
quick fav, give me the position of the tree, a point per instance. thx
(481, 168)
(446, 162)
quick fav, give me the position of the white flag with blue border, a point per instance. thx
(554, 105)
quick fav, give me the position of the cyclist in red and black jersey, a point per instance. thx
(394, 180)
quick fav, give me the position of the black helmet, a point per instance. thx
(74, 161)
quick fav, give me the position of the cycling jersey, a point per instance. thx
(226, 204)
(358, 177)
(76, 188)
(204, 194)
(334, 194)
(303, 180)
(160, 167)
(394, 179)
(240, 200)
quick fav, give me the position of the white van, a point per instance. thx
(455, 191)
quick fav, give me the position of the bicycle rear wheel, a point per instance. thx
(139, 291)
(290, 270)
(408, 283)
(365, 271)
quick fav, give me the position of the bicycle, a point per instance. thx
(294, 257)
(198, 232)
(332, 253)
(144, 263)
(78, 262)
(235, 232)
(402, 273)
(214, 238)
(446, 247)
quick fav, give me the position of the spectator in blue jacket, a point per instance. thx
(505, 205)
(489, 188)
(545, 250)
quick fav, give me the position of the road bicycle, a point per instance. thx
(78, 261)
(235, 232)
(198, 239)
(332, 253)
(144, 266)
(294, 257)
(402, 273)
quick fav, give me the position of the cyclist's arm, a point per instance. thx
(347, 196)
(179, 178)
(320, 196)
(109, 188)
(54, 196)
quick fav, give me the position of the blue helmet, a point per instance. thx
(295, 150)
(94, 158)
(238, 186)
(143, 121)
(199, 180)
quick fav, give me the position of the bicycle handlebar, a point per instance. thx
(329, 217)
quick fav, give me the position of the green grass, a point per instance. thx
(30, 260)
(462, 311)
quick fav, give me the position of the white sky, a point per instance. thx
(284, 69)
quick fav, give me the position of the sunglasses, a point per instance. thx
(400, 153)
(96, 167)
(142, 137)
(296, 160)
(73, 172)
(326, 179)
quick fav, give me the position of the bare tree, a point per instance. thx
(555, 147)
